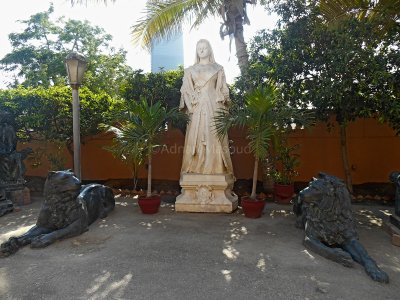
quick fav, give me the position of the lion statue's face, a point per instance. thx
(325, 192)
(59, 182)
(325, 203)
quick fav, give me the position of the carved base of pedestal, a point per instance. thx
(20, 196)
(206, 193)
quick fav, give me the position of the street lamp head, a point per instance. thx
(76, 67)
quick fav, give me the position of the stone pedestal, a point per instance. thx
(206, 193)
(392, 227)
(21, 196)
(14, 193)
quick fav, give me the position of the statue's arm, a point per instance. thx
(187, 91)
(222, 87)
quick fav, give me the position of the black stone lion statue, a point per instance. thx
(323, 209)
(67, 210)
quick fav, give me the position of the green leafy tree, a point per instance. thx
(39, 51)
(46, 113)
(348, 70)
(163, 86)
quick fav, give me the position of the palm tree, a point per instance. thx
(261, 115)
(163, 18)
(138, 133)
(265, 117)
(123, 148)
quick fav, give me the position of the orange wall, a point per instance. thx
(374, 152)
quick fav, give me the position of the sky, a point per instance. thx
(117, 19)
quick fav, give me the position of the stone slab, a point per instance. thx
(393, 231)
(206, 193)
(395, 220)
(396, 240)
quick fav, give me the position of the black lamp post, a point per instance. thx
(76, 67)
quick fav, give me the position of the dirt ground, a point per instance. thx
(173, 255)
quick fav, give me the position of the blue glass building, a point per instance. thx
(167, 54)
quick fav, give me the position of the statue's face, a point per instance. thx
(203, 50)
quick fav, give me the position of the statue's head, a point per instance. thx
(58, 182)
(395, 177)
(204, 50)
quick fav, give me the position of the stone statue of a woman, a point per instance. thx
(203, 92)
(207, 173)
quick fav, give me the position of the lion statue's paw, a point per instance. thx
(9, 247)
(375, 273)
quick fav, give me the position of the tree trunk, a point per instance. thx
(255, 176)
(267, 169)
(70, 150)
(241, 49)
(149, 178)
(345, 158)
(233, 15)
(135, 177)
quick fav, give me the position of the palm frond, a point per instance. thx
(211, 8)
(259, 139)
(226, 118)
(74, 2)
(163, 19)
(337, 10)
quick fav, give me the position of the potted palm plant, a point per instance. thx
(131, 154)
(286, 163)
(138, 135)
(260, 115)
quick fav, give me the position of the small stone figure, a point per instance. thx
(323, 209)
(6, 205)
(67, 211)
(12, 168)
(8, 137)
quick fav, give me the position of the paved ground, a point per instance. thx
(192, 256)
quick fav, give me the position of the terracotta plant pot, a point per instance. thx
(252, 208)
(149, 205)
(283, 193)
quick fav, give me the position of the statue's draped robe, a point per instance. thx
(204, 152)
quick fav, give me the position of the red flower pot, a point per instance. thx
(149, 205)
(283, 193)
(252, 208)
